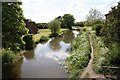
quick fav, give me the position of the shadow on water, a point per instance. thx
(44, 61)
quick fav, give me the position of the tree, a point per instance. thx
(112, 27)
(93, 15)
(13, 25)
(68, 20)
(81, 24)
(54, 26)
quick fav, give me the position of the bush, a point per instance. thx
(84, 29)
(98, 29)
(28, 41)
(80, 55)
(7, 56)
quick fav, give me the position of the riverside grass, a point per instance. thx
(80, 55)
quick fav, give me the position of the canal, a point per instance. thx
(45, 61)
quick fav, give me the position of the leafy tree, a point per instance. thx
(94, 14)
(68, 20)
(13, 26)
(112, 27)
(54, 26)
(81, 24)
(60, 18)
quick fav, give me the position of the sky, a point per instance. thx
(47, 10)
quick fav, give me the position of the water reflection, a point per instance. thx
(43, 62)
(29, 54)
(55, 43)
(12, 70)
(68, 37)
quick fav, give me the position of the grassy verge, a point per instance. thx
(44, 32)
(8, 56)
(105, 55)
(80, 55)
(99, 50)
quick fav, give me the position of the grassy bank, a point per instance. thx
(99, 50)
(80, 55)
(44, 32)
(8, 56)
(105, 55)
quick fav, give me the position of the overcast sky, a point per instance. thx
(47, 10)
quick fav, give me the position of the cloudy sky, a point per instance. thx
(47, 10)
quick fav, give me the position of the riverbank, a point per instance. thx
(46, 58)
(9, 56)
(80, 55)
(45, 32)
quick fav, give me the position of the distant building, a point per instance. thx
(31, 26)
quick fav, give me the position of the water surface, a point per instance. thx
(45, 61)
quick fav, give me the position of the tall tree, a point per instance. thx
(13, 26)
(68, 20)
(54, 26)
(94, 14)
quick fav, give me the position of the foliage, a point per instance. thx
(7, 56)
(44, 38)
(98, 29)
(13, 26)
(54, 26)
(94, 14)
(42, 25)
(60, 18)
(81, 24)
(80, 55)
(68, 20)
(112, 28)
(28, 41)
(105, 55)
(114, 54)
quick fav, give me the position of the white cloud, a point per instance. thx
(46, 10)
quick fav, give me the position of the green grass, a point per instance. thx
(44, 32)
(41, 32)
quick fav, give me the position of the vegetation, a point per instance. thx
(80, 55)
(107, 47)
(54, 26)
(41, 32)
(81, 24)
(28, 42)
(44, 38)
(68, 20)
(42, 25)
(7, 56)
(93, 15)
(12, 27)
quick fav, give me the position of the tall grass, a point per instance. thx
(80, 55)
(8, 56)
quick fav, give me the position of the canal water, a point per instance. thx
(45, 61)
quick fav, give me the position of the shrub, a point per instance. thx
(28, 41)
(98, 29)
(7, 56)
(80, 55)
(84, 29)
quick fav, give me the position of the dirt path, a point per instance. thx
(88, 71)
